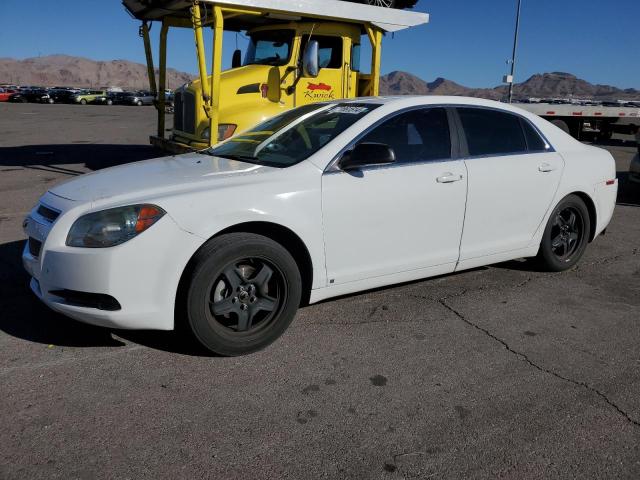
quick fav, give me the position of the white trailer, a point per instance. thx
(581, 121)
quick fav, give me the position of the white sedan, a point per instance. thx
(320, 201)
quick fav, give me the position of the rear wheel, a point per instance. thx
(566, 235)
(83, 102)
(139, 103)
(243, 293)
(109, 102)
(51, 101)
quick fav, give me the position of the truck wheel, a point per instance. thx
(243, 292)
(566, 235)
(574, 128)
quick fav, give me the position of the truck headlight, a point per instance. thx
(226, 130)
(114, 226)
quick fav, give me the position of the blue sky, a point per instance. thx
(467, 41)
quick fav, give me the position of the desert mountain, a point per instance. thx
(547, 85)
(81, 72)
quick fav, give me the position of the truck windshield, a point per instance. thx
(293, 136)
(269, 48)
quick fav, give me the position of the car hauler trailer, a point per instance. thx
(582, 120)
(300, 52)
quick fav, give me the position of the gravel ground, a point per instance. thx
(498, 372)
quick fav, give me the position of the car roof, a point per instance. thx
(398, 102)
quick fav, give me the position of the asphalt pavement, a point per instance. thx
(498, 372)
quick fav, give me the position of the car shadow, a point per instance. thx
(23, 316)
(54, 158)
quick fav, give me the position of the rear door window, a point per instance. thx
(491, 132)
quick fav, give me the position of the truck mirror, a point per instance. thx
(236, 60)
(273, 83)
(310, 60)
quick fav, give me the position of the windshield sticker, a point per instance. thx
(351, 110)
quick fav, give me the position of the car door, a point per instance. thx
(513, 178)
(401, 217)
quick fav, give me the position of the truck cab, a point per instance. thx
(272, 79)
(300, 52)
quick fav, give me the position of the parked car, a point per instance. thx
(142, 97)
(5, 94)
(324, 200)
(84, 97)
(116, 98)
(60, 95)
(33, 95)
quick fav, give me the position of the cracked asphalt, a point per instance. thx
(497, 372)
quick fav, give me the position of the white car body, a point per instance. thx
(387, 226)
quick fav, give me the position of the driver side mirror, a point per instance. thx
(366, 155)
(236, 60)
(311, 60)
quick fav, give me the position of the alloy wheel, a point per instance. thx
(382, 3)
(567, 232)
(246, 297)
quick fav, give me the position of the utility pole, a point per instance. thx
(513, 56)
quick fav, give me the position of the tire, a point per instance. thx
(83, 102)
(566, 235)
(139, 103)
(562, 125)
(255, 285)
(51, 101)
(109, 102)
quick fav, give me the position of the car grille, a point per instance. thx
(48, 213)
(34, 247)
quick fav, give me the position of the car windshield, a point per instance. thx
(269, 48)
(293, 136)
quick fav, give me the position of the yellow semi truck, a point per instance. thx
(300, 52)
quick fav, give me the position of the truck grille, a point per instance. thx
(189, 113)
(177, 111)
(184, 115)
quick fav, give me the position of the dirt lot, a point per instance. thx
(499, 372)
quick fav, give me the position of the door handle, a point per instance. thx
(545, 167)
(448, 178)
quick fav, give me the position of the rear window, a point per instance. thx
(490, 132)
(535, 143)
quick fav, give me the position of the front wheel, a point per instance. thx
(566, 235)
(83, 102)
(139, 103)
(244, 291)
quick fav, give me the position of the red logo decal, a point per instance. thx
(319, 86)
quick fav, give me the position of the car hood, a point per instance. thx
(157, 177)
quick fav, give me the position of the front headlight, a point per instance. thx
(108, 228)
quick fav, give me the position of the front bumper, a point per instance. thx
(141, 274)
